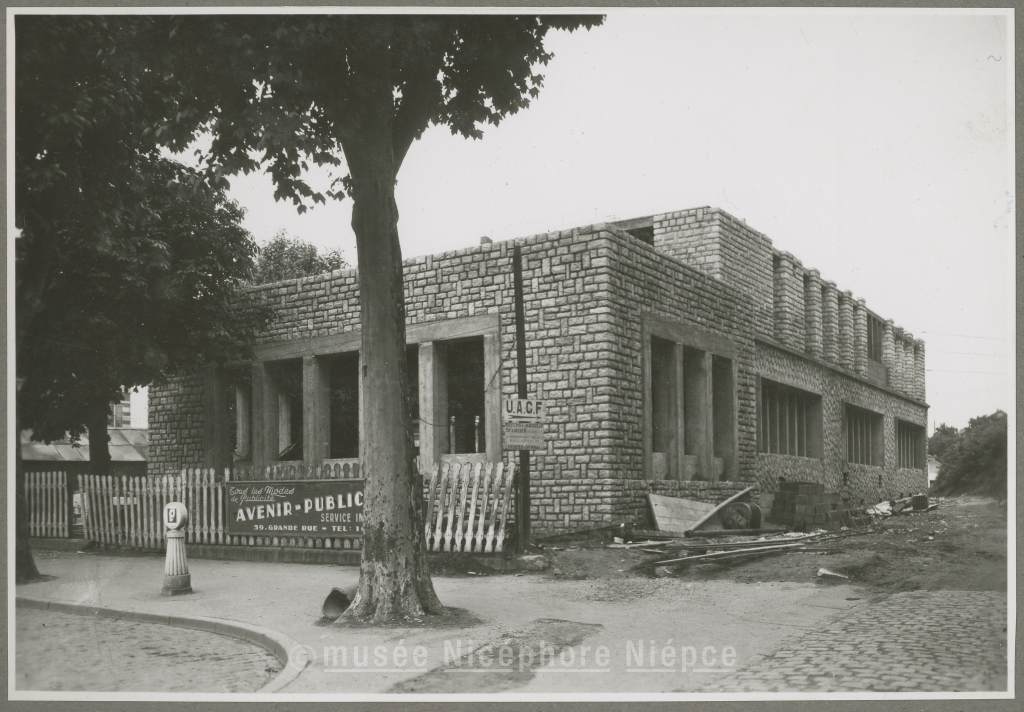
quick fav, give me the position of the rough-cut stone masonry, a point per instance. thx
(176, 422)
(590, 293)
(861, 483)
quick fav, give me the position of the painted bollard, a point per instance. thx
(177, 580)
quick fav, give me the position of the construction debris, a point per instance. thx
(711, 551)
(712, 533)
(918, 504)
(805, 505)
(675, 514)
(707, 517)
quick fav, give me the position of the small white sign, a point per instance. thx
(523, 435)
(523, 410)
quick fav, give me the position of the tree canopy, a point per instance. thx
(975, 461)
(128, 264)
(942, 440)
(286, 257)
(283, 92)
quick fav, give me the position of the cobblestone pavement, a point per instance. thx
(59, 651)
(910, 642)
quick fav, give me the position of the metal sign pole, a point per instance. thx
(523, 476)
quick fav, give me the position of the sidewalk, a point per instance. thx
(526, 611)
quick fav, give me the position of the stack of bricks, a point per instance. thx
(805, 506)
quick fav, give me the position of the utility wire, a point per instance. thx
(996, 373)
(966, 336)
(966, 353)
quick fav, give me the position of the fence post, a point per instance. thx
(30, 503)
(88, 513)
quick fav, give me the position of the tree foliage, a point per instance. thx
(975, 461)
(285, 92)
(942, 440)
(128, 264)
(285, 257)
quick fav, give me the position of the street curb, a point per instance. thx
(291, 653)
(259, 554)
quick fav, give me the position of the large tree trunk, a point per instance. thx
(99, 442)
(394, 580)
(24, 565)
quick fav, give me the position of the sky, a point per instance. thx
(876, 146)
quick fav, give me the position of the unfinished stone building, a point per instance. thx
(680, 354)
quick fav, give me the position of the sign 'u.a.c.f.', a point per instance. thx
(522, 424)
(303, 508)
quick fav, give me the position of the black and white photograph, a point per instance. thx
(510, 354)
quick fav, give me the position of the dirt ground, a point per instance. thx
(959, 546)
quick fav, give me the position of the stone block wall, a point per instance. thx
(586, 293)
(176, 426)
(724, 247)
(861, 482)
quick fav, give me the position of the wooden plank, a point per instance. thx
(144, 516)
(452, 502)
(728, 554)
(676, 514)
(30, 495)
(47, 501)
(506, 497)
(101, 509)
(80, 488)
(460, 513)
(499, 478)
(720, 506)
(432, 482)
(472, 506)
(478, 539)
(84, 503)
(131, 520)
(445, 472)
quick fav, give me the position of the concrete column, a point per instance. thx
(909, 368)
(708, 444)
(896, 382)
(846, 330)
(316, 410)
(799, 306)
(243, 421)
(919, 369)
(889, 353)
(830, 322)
(284, 420)
(813, 312)
(492, 395)
(434, 403)
(216, 428)
(265, 417)
(783, 305)
(860, 338)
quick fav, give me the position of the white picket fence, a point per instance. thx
(467, 507)
(47, 499)
(128, 511)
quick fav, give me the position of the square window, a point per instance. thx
(865, 441)
(789, 421)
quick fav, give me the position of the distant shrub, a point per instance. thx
(974, 461)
